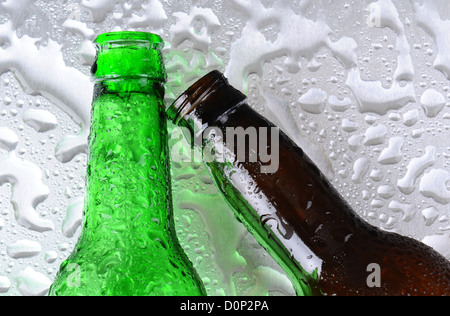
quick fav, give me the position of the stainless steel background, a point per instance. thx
(362, 86)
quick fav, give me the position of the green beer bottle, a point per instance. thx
(128, 245)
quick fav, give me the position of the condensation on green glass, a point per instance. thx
(114, 51)
(128, 245)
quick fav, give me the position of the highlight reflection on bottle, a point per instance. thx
(296, 214)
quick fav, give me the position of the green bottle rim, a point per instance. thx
(129, 55)
(130, 36)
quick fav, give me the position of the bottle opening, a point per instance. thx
(130, 38)
(204, 91)
(131, 55)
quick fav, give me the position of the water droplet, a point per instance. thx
(7, 101)
(434, 184)
(410, 118)
(415, 168)
(375, 135)
(408, 210)
(360, 169)
(8, 139)
(313, 101)
(23, 249)
(392, 154)
(439, 243)
(5, 284)
(386, 191)
(430, 215)
(32, 283)
(50, 256)
(433, 102)
(42, 121)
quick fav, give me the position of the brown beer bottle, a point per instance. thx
(294, 212)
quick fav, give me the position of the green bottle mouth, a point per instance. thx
(132, 37)
(129, 55)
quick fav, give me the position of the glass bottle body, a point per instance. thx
(294, 211)
(128, 245)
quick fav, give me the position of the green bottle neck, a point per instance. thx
(128, 244)
(128, 190)
(128, 184)
(123, 86)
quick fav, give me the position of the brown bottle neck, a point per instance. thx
(295, 210)
(209, 99)
(306, 203)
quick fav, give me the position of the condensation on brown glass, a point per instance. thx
(309, 206)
